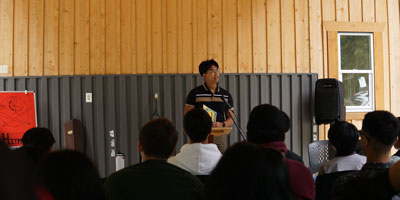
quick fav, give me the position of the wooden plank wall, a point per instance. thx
(90, 37)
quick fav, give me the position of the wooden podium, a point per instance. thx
(218, 132)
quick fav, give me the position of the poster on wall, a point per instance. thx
(17, 115)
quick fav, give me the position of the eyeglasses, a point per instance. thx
(214, 71)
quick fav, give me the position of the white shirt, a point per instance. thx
(197, 158)
(344, 163)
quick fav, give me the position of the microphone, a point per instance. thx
(241, 132)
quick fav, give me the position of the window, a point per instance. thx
(356, 70)
(355, 56)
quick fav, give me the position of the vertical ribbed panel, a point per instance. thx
(124, 103)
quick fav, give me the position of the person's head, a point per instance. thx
(15, 181)
(397, 143)
(248, 171)
(38, 137)
(69, 175)
(209, 70)
(380, 130)
(344, 137)
(267, 124)
(197, 125)
(157, 139)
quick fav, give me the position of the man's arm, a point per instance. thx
(228, 121)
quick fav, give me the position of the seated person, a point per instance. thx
(36, 143)
(247, 171)
(379, 132)
(68, 175)
(154, 178)
(344, 137)
(197, 157)
(41, 138)
(396, 156)
(266, 127)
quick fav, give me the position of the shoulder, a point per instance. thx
(197, 89)
(293, 156)
(224, 92)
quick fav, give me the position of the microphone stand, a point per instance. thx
(155, 112)
(241, 132)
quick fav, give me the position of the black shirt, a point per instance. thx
(365, 184)
(202, 95)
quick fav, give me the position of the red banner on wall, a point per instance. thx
(17, 115)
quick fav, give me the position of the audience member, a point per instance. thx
(266, 127)
(344, 137)
(69, 175)
(14, 181)
(36, 143)
(41, 138)
(197, 157)
(396, 156)
(379, 132)
(154, 178)
(247, 171)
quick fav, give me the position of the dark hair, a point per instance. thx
(69, 175)
(382, 126)
(158, 138)
(206, 65)
(267, 124)
(39, 137)
(197, 124)
(344, 137)
(15, 181)
(248, 171)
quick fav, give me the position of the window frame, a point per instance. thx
(332, 29)
(370, 72)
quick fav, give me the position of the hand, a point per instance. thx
(217, 124)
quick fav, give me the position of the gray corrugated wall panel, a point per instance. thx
(133, 154)
(21, 84)
(2, 83)
(43, 114)
(123, 115)
(233, 137)
(99, 125)
(125, 102)
(54, 110)
(110, 122)
(307, 127)
(178, 108)
(254, 91)
(296, 116)
(88, 118)
(76, 98)
(286, 107)
(65, 103)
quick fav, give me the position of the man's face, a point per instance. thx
(212, 75)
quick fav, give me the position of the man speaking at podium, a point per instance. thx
(209, 94)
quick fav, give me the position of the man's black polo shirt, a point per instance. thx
(201, 95)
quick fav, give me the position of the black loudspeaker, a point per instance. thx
(329, 102)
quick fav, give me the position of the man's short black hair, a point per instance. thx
(267, 124)
(41, 138)
(206, 65)
(158, 138)
(197, 124)
(344, 137)
(382, 126)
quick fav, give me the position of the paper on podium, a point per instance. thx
(211, 112)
